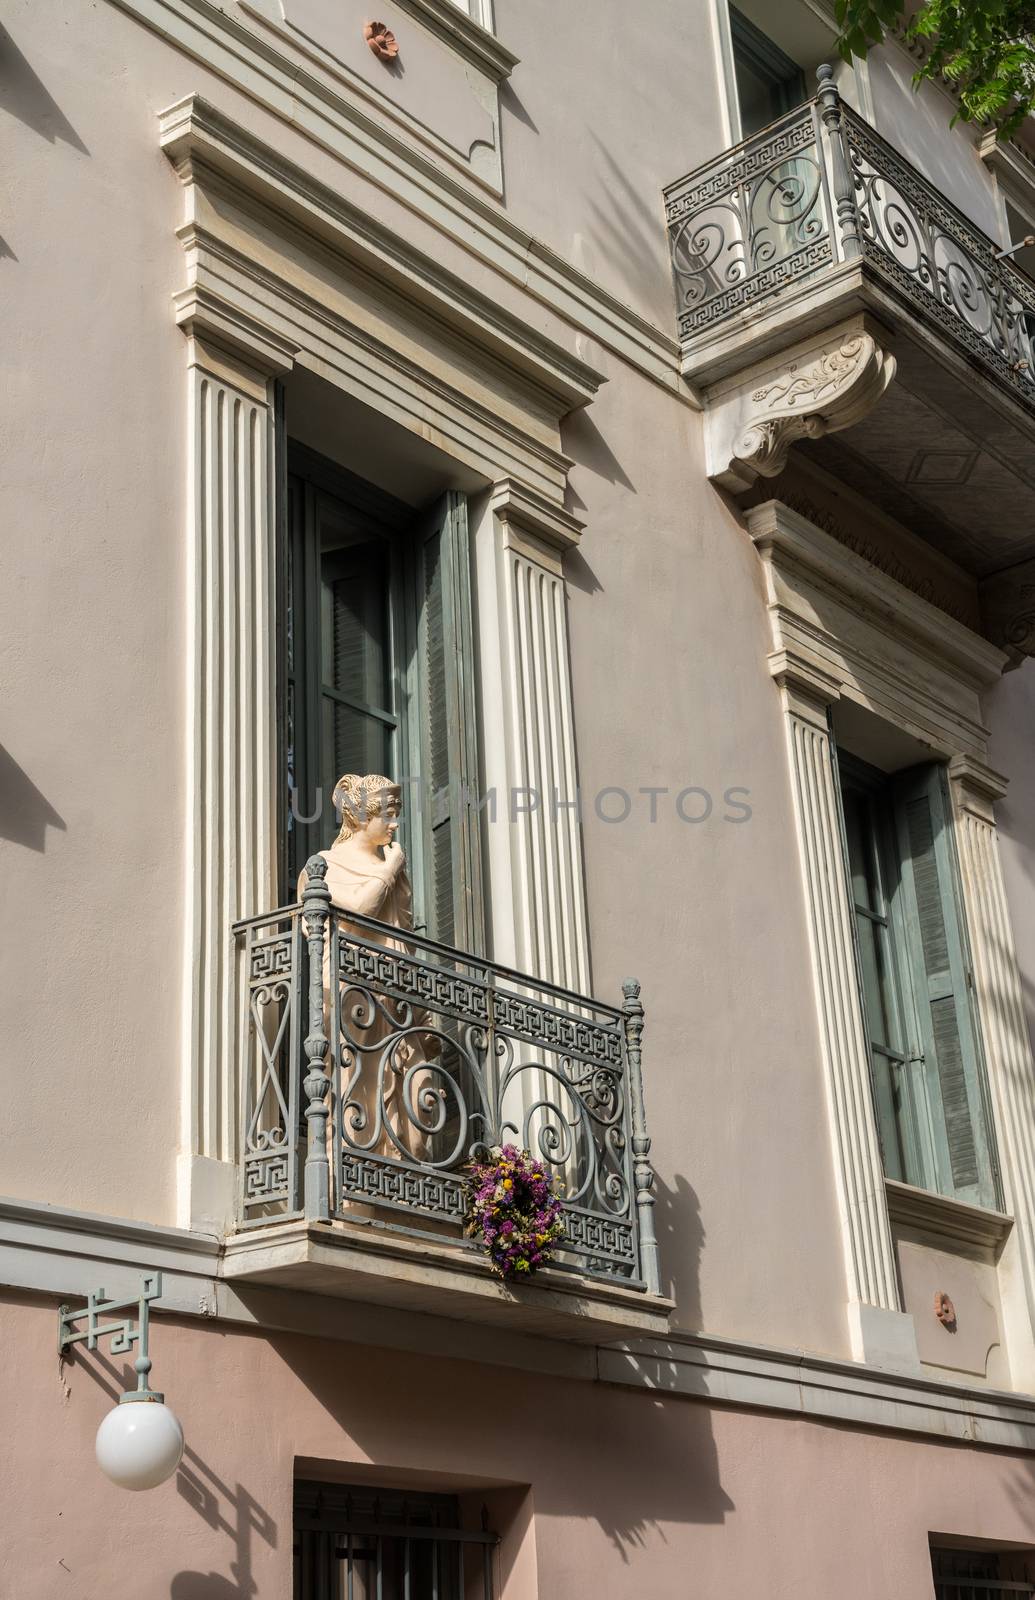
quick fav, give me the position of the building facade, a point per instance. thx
(617, 428)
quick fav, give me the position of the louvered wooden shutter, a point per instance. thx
(448, 731)
(936, 952)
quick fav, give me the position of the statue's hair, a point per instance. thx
(357, 797)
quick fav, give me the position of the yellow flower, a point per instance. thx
(508, 1183)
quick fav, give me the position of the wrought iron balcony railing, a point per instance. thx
(819, 188)
(378, 1064)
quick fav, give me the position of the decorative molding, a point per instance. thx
(888, 649)
(459, 210)
(200, 141)
(517, 507)
(51, 1251)
(821, 390)
(950, 1222)
(872, 553)
(204, 313)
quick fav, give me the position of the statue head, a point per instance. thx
(368, 804)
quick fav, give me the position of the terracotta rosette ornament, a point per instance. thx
(381, 40)
(512, 1202)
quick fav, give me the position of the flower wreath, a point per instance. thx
(513, 1204)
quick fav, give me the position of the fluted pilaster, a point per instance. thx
(862, 1207)
(1000, 1000)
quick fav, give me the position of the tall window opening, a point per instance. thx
(769, 82)
(926, 1068)
(378, 678)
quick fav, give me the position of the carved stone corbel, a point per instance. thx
(1008, 611)
(814, 389)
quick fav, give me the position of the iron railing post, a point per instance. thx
(316, 901)
(643, 1172)
(841, 173)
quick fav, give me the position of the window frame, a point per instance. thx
(921, 1124)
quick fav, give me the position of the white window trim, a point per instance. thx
(843, 630)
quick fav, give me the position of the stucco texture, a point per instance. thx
(629, 1493)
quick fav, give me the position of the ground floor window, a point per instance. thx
(961, 1574)
(357, 1542)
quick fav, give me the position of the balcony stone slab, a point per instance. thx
(353, 1262)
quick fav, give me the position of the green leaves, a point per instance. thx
(985, 48)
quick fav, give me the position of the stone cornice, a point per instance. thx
(783, 536)
(59, 1253)
(472, 220)
(200, 141)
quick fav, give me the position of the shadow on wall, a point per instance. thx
(229, 1510)
(232, 1511)
(23, 95)
(677, 1216)
(25, 813)
(631, 1462)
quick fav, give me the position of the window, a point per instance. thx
(910, 943)
(379, 678)
(768, 81)
(981, 1574)
(362, 1543)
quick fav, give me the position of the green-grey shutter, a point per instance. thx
(448, 728)
(936, 949)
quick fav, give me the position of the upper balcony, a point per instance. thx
(818, 273)
(377, 1065)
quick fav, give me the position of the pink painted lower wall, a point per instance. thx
(604, 1493)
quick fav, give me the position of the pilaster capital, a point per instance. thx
(807, 690)
(219, 330)
(540, 528)
(977, 786)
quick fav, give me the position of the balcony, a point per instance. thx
(832, 300)
(377, 1065)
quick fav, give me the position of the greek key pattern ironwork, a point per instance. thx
(269, 1156)
(391, 1183)
(434, 1056)
(739, 166)
(751, 222)
(758, 220)
(940, 262)
(433, 1066)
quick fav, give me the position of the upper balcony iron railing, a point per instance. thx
(404, 1060)
(819, 188)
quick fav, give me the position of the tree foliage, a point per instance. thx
(985, 48)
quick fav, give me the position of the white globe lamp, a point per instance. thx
(140, 1443)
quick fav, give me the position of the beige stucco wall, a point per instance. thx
(667, 641)
(723, 1500)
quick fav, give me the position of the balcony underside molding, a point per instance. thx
(434, 1276)
(820, 386)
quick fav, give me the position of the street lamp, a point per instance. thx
(140, 1443)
